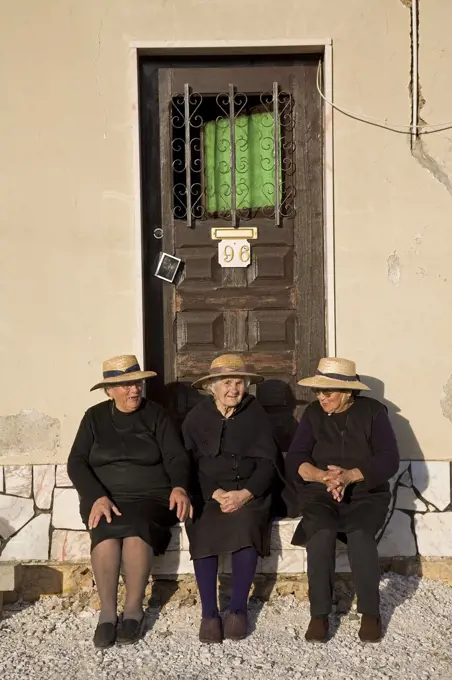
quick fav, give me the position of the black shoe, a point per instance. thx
(317, 630)
(370, 630)
(130, 631)
(104, 635)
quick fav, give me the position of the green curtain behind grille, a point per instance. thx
(255, 165)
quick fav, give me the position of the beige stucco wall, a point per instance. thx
(70, 291)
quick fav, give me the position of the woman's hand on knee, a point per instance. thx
(179, 499)
(103, 507)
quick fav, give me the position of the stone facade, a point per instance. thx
(40, 522)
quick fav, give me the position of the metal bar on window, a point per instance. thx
(232, 133)
(277, 152)
(187, 152)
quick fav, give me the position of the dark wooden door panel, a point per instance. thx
(272, 330)
(271, 267)
(235, 298)
(273, 310)
(200, 267)
(198, 331)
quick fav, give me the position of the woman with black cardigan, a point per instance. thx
(341, 458)
(231, 443)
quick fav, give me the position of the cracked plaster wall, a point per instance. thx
(434, 150)
(28, 435)
(70, 286)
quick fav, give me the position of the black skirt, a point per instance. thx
(213, 532)
(148, 518)
(364, 510)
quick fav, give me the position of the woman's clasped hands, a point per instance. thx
(337, 479)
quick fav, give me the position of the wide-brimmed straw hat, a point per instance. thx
(123, 368)
(333, 373)
(229, 365)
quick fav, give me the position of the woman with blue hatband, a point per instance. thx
(341, 459)
(131, 471)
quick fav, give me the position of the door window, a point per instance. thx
(232, 155)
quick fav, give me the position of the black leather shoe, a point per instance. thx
(105, 635)
(370, 630)
(317, 630)
(130, 631)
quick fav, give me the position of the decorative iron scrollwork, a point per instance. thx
(233, 156)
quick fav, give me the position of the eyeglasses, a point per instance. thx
(325, 392)
(128, 385)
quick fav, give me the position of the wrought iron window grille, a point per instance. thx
(233, 156)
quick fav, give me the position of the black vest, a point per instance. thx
(352, 446)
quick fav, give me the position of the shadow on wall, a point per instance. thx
(406, 439)
(31, 583)
(34, 581)
(413, 472)
(6, 530)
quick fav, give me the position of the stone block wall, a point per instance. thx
(40, 522)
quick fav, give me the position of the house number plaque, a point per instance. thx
(235, 253)
(234, 248)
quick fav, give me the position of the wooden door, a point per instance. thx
(273, 310)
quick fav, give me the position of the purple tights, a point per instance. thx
(244, 563)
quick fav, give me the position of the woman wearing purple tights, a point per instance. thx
(230, 440)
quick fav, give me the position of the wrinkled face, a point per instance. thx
(333, 401)
(127, 396)
(229, 392)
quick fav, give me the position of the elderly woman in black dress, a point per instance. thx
(131, 472)
(231, 442)
(342, 456)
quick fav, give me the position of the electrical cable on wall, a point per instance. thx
(401, 129)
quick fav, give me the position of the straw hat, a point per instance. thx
(123, 368)
(229, 365)
(333, 373)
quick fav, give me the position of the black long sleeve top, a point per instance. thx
(127, 455)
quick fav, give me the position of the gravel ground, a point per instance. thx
(45, 641)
